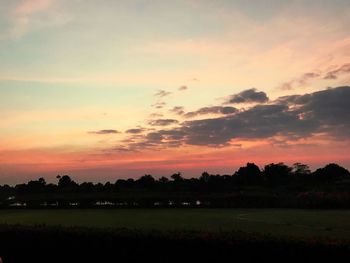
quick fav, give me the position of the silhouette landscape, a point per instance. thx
(174, 131)
(276, 208)
(277, 185)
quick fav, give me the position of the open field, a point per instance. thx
(299, 224)
(173, 235)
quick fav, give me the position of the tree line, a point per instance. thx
(276, 183)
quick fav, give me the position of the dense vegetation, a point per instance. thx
(276, 185)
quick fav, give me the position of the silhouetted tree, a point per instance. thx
(66, 183)
(99, 187)
(108, 187)
(249, 174)
(331, 171)
(86, 187)
(177, 177)
(36, 186)
(146, 181)
(205, 177)
(124, 184)
(277, 173)
(300, 169)
(163, 180)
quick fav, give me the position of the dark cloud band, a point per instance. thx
(293, 117)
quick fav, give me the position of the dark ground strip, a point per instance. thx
(57, 244)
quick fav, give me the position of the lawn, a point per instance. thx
(319, 224)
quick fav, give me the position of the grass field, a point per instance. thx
(320, 224)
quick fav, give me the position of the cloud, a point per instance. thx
(300, 81)
(286, 85)
(120, 149)
(248, 96)
(294, 117)
(333, 74)
(330, 108)
(290, 117)
(159, 105)
(28, 7)
(179, 110)
(103, 132)
(155, 115)
(135, 131)
(211, 110)
(261, 121)
(162, 122)
(32, 15)
(156, 139)
(162, 93)
(182, 88)
(307, 77)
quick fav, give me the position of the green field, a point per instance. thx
(319, 224)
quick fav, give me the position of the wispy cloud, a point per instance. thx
(156, 115)
(333, 74)
(162, 122)
(30, 15)
(135, 130)
(300, 81)
(159, 105)
(162, 93)
(179, 110)
(29, 7)
(104, 132)
(211, 110)
(306, 78)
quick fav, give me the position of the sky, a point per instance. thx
(102, 89)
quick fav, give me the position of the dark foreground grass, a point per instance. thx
(174, 235)
(62, 244)
(295, 223)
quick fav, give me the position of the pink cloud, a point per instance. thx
(33, 15)
(27, 7)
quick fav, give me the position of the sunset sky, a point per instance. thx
(102, 89)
